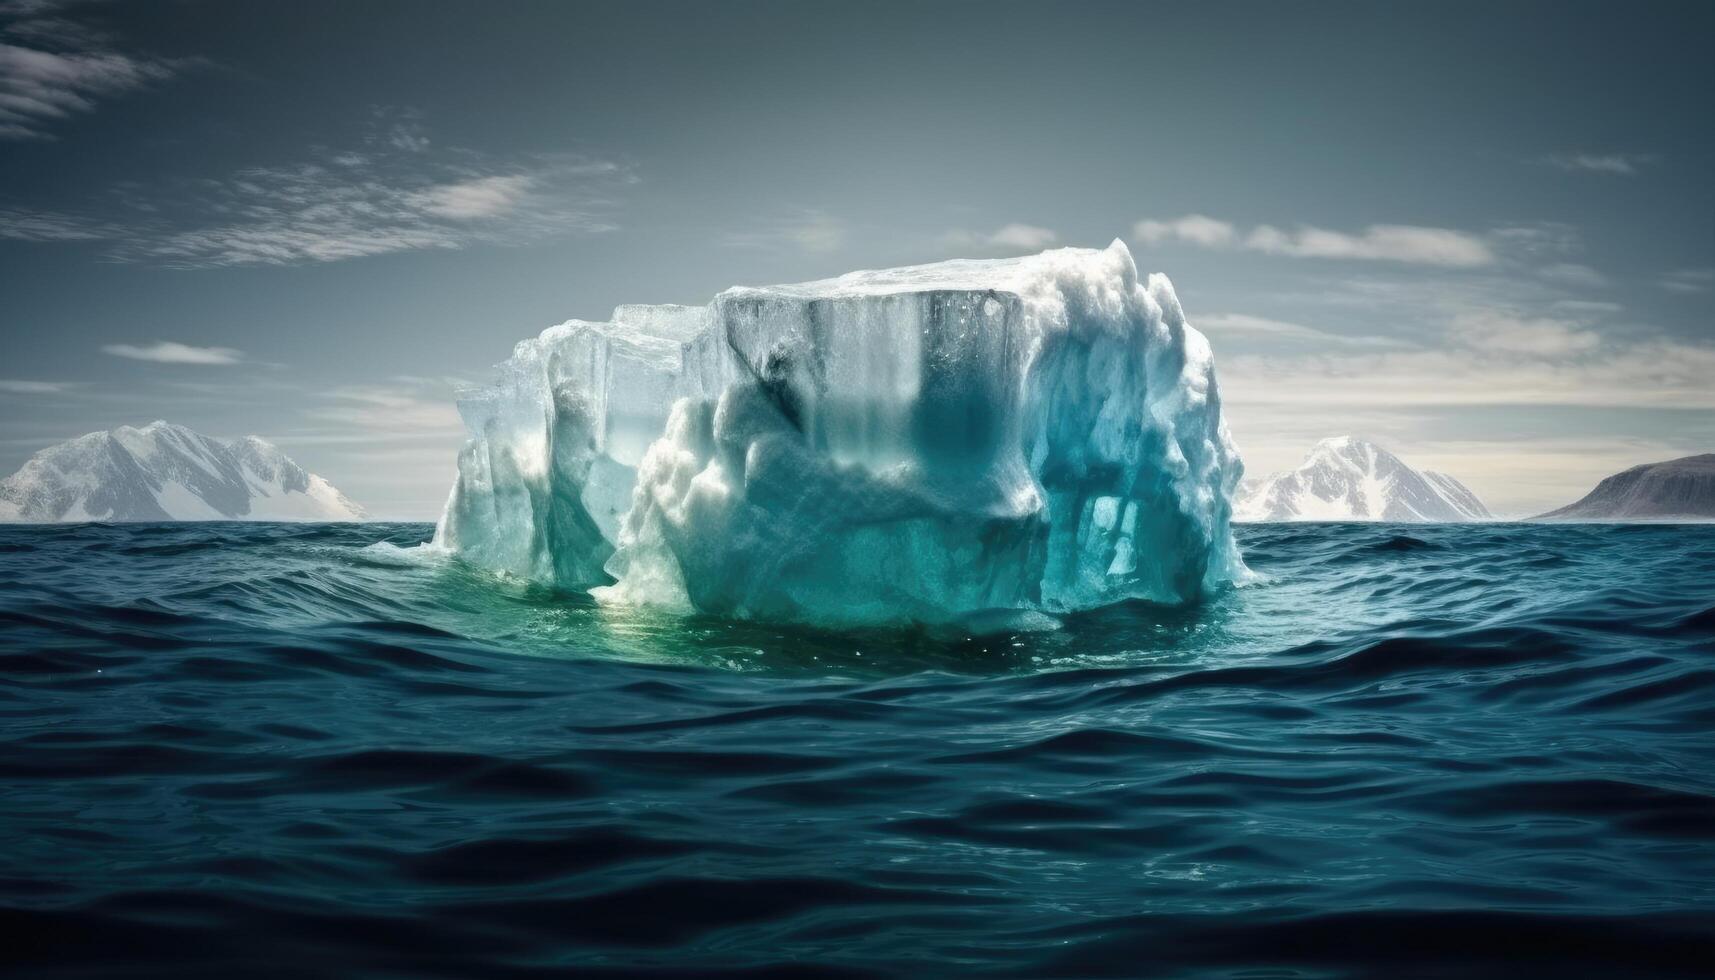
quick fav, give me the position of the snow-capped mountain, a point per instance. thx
(165, 472)
(1679, 489)
(1348, 479)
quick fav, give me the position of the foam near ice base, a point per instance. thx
(927, 444)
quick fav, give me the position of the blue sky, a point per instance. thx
(1481, 234)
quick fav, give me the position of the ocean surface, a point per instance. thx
(307, 750)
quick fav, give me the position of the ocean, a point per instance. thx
(267, 750)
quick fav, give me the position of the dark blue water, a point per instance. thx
(286, 750)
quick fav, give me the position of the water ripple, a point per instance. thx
(289, 750)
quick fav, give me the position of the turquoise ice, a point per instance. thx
(939, 443)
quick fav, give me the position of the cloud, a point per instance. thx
(40, 25)
(408, 137)
(480, 197)
(172, 352)
(53, 226)
(1493, 330)
(1023, 236)
(1477, 349)
(13, 386)
(1573, 274)
(1688, 280)
(1586, 307)
(32, 8)
(343, 205)
(1657, 374)
(1197, 229)
(1216, 325)
(1615, 164)
(316, 213)
(399, 127)
(810, 230)
(1390, 243)
(1013, 237)
(1245, 323)
(52, 68)
(414, 407)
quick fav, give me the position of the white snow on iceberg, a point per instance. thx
(922, 444)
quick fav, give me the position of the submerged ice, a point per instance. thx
(938, 443)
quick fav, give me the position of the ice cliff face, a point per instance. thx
(164, 472)
(923, 444)
(1347, 479)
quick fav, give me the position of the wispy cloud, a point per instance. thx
(42, 24)
(34, 8)
(53, 68)
(1659, 374)
(407, 136)
(1392, 243)
(1013, 238)
(399, 127)
(1512, 333)
(479, 197)
(16, 386)
(1219, 325)
(316, 213)
(810, 230)
(1573, 274)
(1198, 229)
(1389, 243)
(53, 226)
(1688, 280)
(1492, 342)
(402, 406)
(345, 204)
(172, 352)
(1614, 164)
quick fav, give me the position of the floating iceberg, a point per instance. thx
(941, 444)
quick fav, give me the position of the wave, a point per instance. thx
(291, 750)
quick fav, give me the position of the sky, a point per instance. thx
(1482, 235)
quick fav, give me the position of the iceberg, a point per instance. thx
(936, 444)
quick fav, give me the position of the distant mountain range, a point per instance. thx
(1348, 479)
(166, 472)
(1678, 489)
